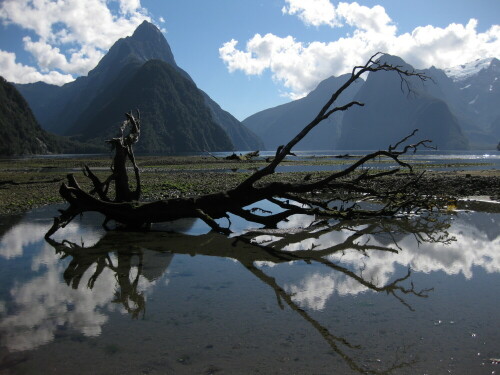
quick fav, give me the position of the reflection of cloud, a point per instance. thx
(297, 221)
(313, 291)
(472, 248)
(20, 236)
(45, 304)
(27, 233)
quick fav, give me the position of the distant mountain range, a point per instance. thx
(139, 72)
(456, 109)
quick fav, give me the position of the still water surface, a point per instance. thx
(387, 296)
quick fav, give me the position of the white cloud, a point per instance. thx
(323, 12)
(19, 73)
(313, 12)
(72, 35)
(49, 57)
(301, 66)
(367, 19)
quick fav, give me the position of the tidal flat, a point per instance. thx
(31, 182)
(374, 295)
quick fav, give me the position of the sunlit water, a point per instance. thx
(387, 296)
(433, 160)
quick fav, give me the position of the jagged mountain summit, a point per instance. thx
(464, 71)
(194, 123)
(478, 87)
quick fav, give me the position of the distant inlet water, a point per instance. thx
(326, 160)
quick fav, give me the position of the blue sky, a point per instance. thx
(248, 55)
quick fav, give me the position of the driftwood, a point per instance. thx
(243, 157)
(348, 185)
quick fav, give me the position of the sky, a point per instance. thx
(248, 55)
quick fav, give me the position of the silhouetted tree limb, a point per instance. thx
(346, 185)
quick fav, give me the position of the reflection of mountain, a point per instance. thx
(476, 236)
(155, 264)
(485, 225)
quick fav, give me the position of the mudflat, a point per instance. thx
(27, 183)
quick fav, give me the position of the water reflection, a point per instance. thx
(106, 273)
(249, 251)
(126, 264)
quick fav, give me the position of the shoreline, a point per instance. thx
(31, 183)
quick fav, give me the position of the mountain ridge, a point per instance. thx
(276, 124)
(21, 134)
(466, 109)
(92, 93)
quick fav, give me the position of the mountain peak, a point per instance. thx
(464, 71)
(146, 43)
(146, 31)
(395, 61)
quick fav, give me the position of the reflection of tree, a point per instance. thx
(127, 294)
(250, 248)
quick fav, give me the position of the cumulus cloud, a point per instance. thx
(299, 66)
(323, 12)
(19, 73)
(71, 36)
(313, 12)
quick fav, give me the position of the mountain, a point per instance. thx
(20, 133)
(477, 86)
(468, 70)
(480, 89)
(174, 116)
(278, 125)
(70, 109)
(389, 114)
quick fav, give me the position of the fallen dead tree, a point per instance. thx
(349, 185)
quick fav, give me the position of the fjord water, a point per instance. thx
(400, 296)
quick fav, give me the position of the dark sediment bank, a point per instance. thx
(31, 183)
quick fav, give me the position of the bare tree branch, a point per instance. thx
(348, 185)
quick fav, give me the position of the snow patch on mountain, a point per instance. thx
(464, 71)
